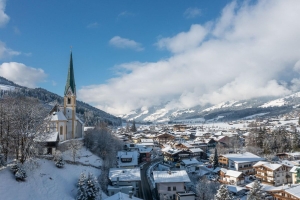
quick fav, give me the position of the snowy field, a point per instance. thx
(47, 181)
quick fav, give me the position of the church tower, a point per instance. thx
(70, 102)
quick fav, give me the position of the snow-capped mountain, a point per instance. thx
(228, 110)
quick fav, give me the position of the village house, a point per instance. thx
(242, 162)
(295, 173)
(164, 138)
(273, 174)
(289, 193)
(231, 177)
(168, 183)
(124, 180)
(127, 159)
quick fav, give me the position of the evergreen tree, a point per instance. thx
(133, 128)
(216, 160)
(223, 193)
(255, 192)
(92, 187)
(81, 191)
(60, 163)
(88, 187)
(20, 174)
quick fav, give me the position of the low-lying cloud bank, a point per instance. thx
(250, 51)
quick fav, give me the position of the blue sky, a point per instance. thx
(44, 31)
(137, 54)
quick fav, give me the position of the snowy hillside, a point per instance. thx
(288, 100)
(87, 113)
(47, 181)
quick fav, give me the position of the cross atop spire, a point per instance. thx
(70, 85)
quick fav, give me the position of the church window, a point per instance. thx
(69, 100)
(61, 130)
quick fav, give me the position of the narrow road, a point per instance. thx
(147, 193)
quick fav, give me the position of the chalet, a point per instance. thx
(145, 154)
(290, 193)
(127, 159)
(168, 183)
(239, 162)
(164, 138)
(175, 155)
(124, 180)
(179, 127)
(273, 174)
(231, 177)
(187, 164)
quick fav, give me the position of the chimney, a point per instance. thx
(169, 172)
(130, 194)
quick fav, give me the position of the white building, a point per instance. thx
(124, 180)
(169, 182)
(127, 159)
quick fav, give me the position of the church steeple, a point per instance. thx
(70, 85)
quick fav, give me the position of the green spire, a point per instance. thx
(70, 79)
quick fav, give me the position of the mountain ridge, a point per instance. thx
(225, 111)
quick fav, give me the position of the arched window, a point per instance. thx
(69, 100)
(61, 130)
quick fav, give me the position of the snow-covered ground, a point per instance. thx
(84, 156)
(47, 181)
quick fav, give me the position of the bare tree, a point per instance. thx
(74, 146)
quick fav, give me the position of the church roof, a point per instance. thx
(58, 116)
(70, 78)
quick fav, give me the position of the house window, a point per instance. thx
(169, 188)
(174, 188)
(69, 100)
(61, 130)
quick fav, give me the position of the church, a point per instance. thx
(63, 124)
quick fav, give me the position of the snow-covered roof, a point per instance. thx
(268, 165)
(78, 119)
(191, 161)
(58, 116)
(146, 140)
(243, 157)
(128, 154)
(121, 196)
(231, 173)
(125, 174)
(235, 189)
(295, 191)
(294, 169)
(170, 176)
(47, 137)
(88, 128)
(195, 150)
(145, 149)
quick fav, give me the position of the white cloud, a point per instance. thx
(4, 18)
(244, 55)
(7, 52)
(124, 43)
(192, 13)
(93, 25)
(125, 14)
(184, 41)
(22, 74)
